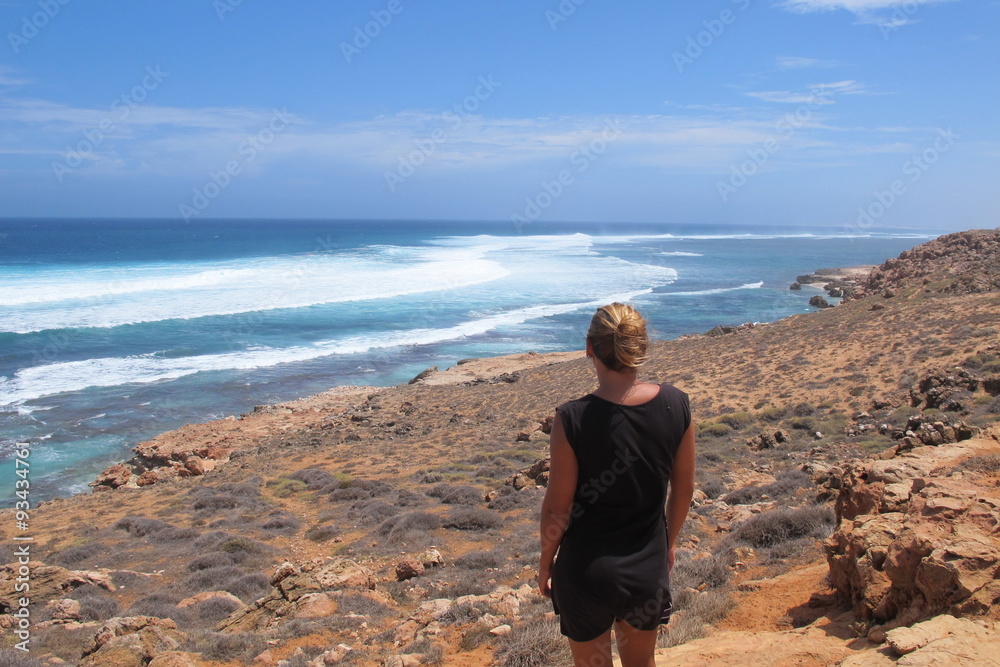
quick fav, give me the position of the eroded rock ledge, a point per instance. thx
(919, 535)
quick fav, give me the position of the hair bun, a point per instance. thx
(618, 335)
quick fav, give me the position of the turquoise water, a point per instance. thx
(114, 330)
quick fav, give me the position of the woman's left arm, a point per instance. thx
(558, 503)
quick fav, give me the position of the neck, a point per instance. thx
(615, 383)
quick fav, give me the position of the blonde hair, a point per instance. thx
(618, 335)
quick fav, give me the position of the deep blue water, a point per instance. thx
(114, 330)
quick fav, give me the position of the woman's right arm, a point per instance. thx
(681, 491)
(558, 502)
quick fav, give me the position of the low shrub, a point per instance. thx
(95, 606)
(406, 527)
(139, 526)
(237, 544)
(787, 484)
(317, 479)
(240, 647)
(508, 498)
(357, 603)
(736, 420)
(372, 511)
(456, 494)
(10, 657)
(79, 554)
(802, 423)
(714, 429)
(713, 488)
(777, 526)
(407, 498)
(282, 523)
(480, 560)
(206, 501)
(321, 533)
(214, 610)
(773, 414)
(691, 572)
(472, 518)
(348, 493)
(987, 464)
(537, 643)
(209, 560)
(803, 410)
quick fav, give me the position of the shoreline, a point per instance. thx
(171, 454)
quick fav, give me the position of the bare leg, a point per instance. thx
(635, 647)
(595, 653)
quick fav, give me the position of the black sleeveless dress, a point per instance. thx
(612, 562)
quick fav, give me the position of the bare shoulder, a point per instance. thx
(643, 392)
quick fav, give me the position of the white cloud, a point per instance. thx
(856, 6)
(188, 143)
(795, 62)
(9, 78)
(817, 94)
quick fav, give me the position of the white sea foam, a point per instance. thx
(681, 253)
(718, 290)
(61, 285)
(38, 381)
(267, 284)
(543, 268)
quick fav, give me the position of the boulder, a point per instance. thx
(408, 568)
(64, 610)
(819, 302)
(132, 640)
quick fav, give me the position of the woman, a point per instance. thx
(613, 453)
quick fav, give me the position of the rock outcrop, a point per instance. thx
(131, 641)
(48, 582)
(916, 537)
(300, 592)
(961, 263)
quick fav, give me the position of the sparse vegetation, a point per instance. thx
(777, 526)
(535, 644)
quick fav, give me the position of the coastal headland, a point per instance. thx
(846, 513)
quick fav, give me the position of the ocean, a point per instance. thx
(112, 331)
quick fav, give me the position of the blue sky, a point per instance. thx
(863, 113)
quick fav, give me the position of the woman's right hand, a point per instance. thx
(544, 577)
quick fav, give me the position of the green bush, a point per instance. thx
(736, 420)
(802, 423)
(714, 429)
(774, 414)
